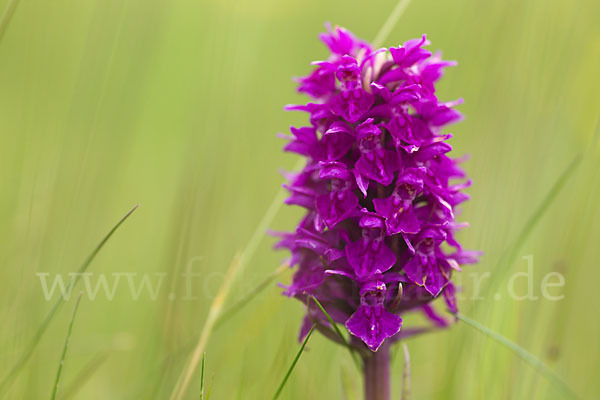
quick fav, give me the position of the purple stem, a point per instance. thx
(377, 373)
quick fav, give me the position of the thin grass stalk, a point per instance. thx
(202, 376)
(265, 221)
(185, 378)
(65, 348)
(525, 355)
(595, 136)
(390, 23)
(8, 379)
(230, 311)
(291, 368)
(84, 375)
(501, 268)
(347, 382)
(406, 374)
(7, 16)
(339, 332)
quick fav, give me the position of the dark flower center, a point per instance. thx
(369, 143)
(373, 298)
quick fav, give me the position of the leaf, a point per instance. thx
(185, 377)
(540, 367)
(83, 375)
(202, 377)
(8, 379)
(253, 293)
(65, 347)
(510, 254)
(339, 332)
(389, 24)
(291, 368)
(7, 16)
(406, 373)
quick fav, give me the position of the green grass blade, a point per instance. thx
(389, 24)
(84, 266)
(543, 207)
(595, 136)
(8, 379)
(291, 368)
(526, 356)
(209, 390)
(214, 311)
(348, 384)
(202, 376)
(501, 269)
(84, 375)
(65, 347)
(406, 373)
(253, 293)
(7, 16)
(267, 218)
(339, 333)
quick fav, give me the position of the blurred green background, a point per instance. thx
(176, 104)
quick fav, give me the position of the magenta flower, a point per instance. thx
(379, 190)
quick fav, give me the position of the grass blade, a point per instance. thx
(595, 136)
(7, 16)
(389, 24)
(526, 356)
(291, 368)
(209, 390)
(501, 267)
(543, 207)
(83, 375)
(406, 373)
(348, 384)
(259, 232)
(253, 293)
(213, 313)
(65, 347)
(339, 332)
(42, 329)
(202, 377)
(84, 266)
(237, 266)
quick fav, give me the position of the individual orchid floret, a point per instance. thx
(341, 201)
(398, 209)
(375, 162)
(372, 322)
(369, 255)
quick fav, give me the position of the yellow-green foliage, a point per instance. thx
(175, 104)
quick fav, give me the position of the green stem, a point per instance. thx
(65, 347)
(377, 374)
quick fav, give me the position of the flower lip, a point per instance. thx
(334, 170)
(370, 220)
